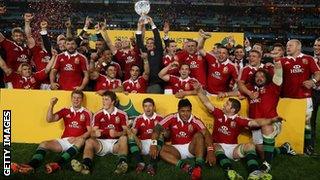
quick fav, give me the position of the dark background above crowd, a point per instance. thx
(265, 21)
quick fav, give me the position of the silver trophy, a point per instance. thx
(142, 8)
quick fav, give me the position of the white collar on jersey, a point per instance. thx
(180, 120)
(230, 117)
(226, 62)
(71, 55)
(75, 111)
(185, 80)
(114, 112)
(146, 118)
(261, 66)
(299, 56)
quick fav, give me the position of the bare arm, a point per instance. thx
(53, 83)
(4, 67)
(27, 20)
(146, 66)
(2, 38)
(50, 116)
(243, 88)
(85, 80)
(68, 26)
(277, 77)
(163, 74)
(203, 98)
(263, 122)
(108, 42)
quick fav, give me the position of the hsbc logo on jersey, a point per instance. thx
(257, 100)
(129, 59)
(296, 69)
(182, 134)
(224, 130)
(68, 67)
(216, 75)
(194, 65)
(111, 126)
(74, 124)
(149, 131)
(22, 58)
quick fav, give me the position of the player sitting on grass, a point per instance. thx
(77, 120)
(227, 127)
(140, 138)
(108, 136)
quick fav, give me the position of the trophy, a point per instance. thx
(142, 8)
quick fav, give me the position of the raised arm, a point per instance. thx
(156, 34)
(203, 37)
(163, 74)
(277, 77)
(45, 38)
(203, 98)
(50, 116)
(68, 26)
(27, 20)
(139, 37)
(146, 66)
(52, 61)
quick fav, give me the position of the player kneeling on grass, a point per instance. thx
(227, 127)
(189, 138)
(108, 136)
(140, 138)
(77, 120)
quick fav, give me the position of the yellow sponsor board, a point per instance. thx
(179, 36)
(29, 108)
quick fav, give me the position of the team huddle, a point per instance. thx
(132, 66)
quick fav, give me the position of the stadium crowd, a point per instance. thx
(157, 66)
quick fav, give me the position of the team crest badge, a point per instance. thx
(187, 86)
(117, 119)
(138, 86)
(190, 128)
(77, 61)
(82, 117)
(233, 124)
(32, 80)
(304, 61)
(225, 70)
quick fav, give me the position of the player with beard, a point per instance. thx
(16, 51)
(72, 68)
(266, 91)
(246, 74)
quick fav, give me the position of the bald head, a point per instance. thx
(293, 47)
